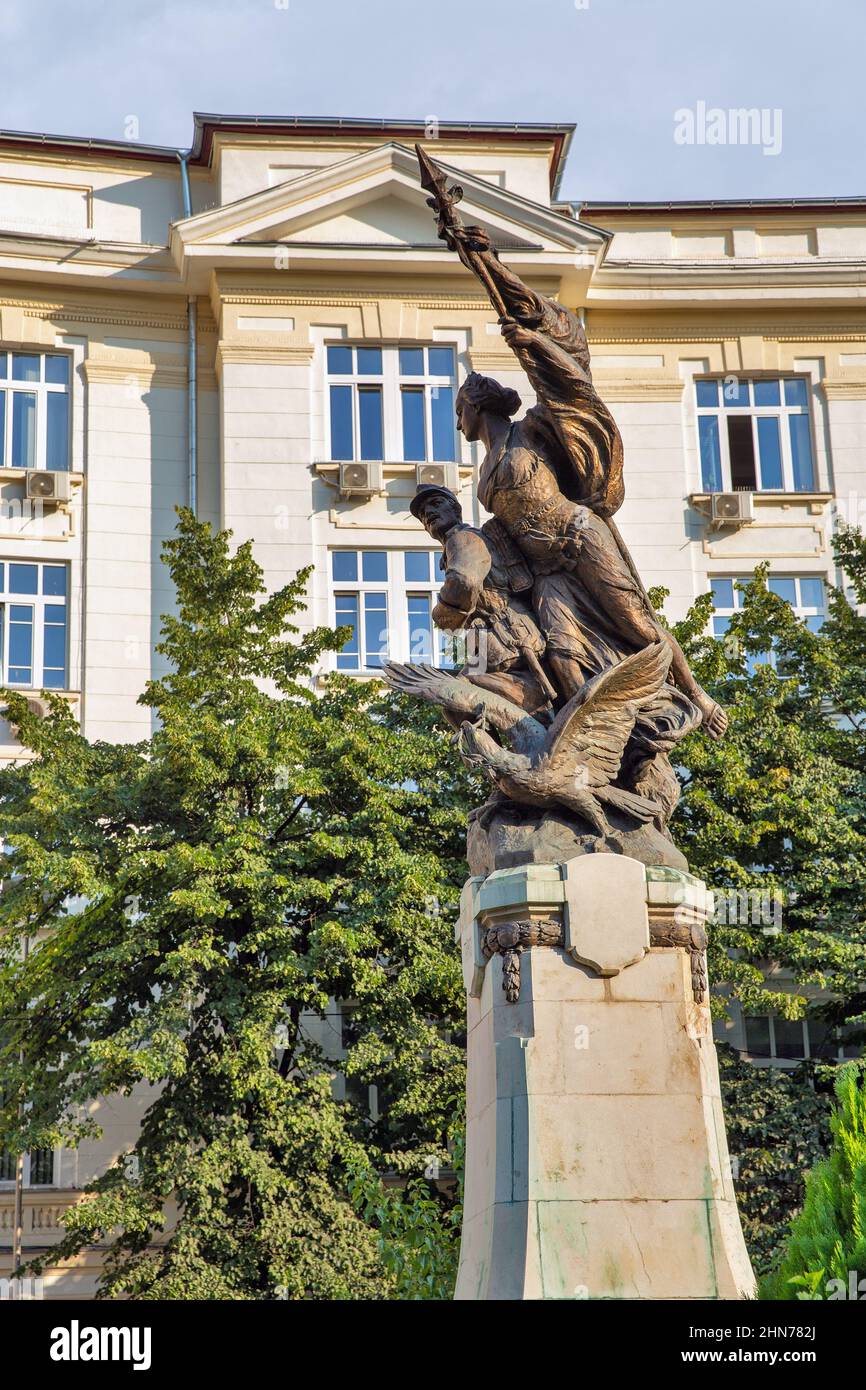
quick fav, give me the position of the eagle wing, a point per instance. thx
(460, 698)
(593, 729)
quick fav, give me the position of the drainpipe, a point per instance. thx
(192, 359)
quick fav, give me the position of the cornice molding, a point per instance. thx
(279, 353)
(838, 390)
(489, 360)
(626, 388)
(720, 333)
(341, 299)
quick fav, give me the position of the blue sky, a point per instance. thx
(619, 68)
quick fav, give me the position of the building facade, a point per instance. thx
(266, 326)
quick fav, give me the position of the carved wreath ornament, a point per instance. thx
(510, 939)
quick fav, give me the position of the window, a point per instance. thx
(792, 1041)
(804, 592)
(392, 403)
(755, 435)
(33, 625)
(387, 598)
(34, 410)
(38, 1168)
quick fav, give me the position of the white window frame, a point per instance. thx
(391, 381)
(782, 412)
(397, 591)
(838, 1056)
(38, 602)
(7, 1184)
(801, 610)
(41, 389)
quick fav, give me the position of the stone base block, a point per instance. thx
(597, 1162)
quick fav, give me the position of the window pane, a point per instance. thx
(414, 444)
(758, 1036)
(770, 451)
(2, 428)
(375, 629)
(23, 429)
(707, 392)
(812, 593)
(340, 361)
(370, 418)
(42, 1168)
(420, 627)
(441, 361)
(711, 458)
(735, 392)
(57, 432)
(796, 392)
(815, 622)
(54, 649)
(789, 1038)
(785, 588)
(741, 444)
(20, 644)
(801, 452)
(24, 579)
(417, 566)
(344, 565)
(374, 566)
(25, 366)
(822, 1038)
(369, 361)
(766, 392)
(346, 615)
(720, 626)
(411, 361)
(57, 369)
(341, 422)
(54, 580)
(442, 412)
(4, 359)
(723, 592)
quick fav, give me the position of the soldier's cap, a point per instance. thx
(425, 492)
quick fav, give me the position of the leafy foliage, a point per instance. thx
(202, 899)
(199, 901)
(777, 1123)
(418, 1241)
(777, 809)
(825, 1256)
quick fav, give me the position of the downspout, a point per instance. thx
(192, 359)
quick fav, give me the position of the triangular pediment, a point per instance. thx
(381, 219)
(375, 200)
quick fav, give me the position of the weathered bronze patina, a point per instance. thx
(573, 695)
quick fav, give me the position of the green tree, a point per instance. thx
(198, 901)
(825, 1255)
(777, 809)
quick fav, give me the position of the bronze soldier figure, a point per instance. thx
(485, 590)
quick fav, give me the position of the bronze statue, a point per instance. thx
(573, 644)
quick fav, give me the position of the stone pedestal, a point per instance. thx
(597, 1163)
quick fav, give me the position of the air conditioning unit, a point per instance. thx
(732, 508)
(360, 479)
(437, 475)
(43, 485)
